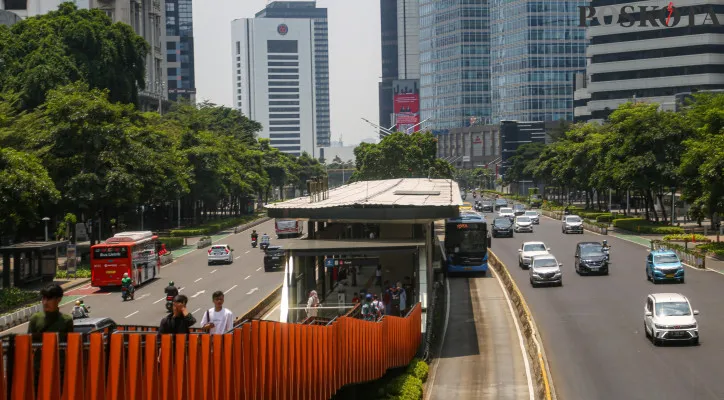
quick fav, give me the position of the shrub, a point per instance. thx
(686, 238)
(419, 369)
(187, 232)
(404, 387)
(714, 247)
(81, 271)
(12, 298)
(604, 218)
(641, 225)
(172, 242)
(594, 215)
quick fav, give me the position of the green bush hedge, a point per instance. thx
(641, 225)
(408, 386)
(686, 238)
(213, 226)
(172, 242)
(593, 215)
(604, 218)
(714, 247)
(12, 298)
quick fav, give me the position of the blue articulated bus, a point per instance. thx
(466, 243)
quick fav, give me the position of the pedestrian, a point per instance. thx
(395, 294)
(387, 298)
(313, 304)
(378, 276)
(403, 299)
(218, 320)
(379, 306)
(353, 272)
(369, 313)
(49, 320)
(180, 320)
(355, 298)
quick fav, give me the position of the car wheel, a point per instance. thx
(655, 341)
(681, 280)
(560, 284)
(646, 332)
(695, 341)
(533, 283)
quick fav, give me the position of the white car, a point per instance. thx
(523, 224)
(669, 317)
(506, 212)
(545, 269)
(572, 223)
(533, 215)
(528, 250)
(221, 253)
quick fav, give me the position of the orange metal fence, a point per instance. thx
(259, 360)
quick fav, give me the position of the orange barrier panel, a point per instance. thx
(259, 360)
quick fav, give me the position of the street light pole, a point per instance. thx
(46, 219)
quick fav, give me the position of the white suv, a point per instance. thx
(669, 317)
(545, 269)
(506, 212)
(221, 253)
(528, 250)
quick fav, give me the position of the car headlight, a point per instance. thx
(659, 326)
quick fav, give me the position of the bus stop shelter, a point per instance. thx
(401, 211)
(31, 261)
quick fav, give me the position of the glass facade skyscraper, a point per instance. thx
(308, 9)
(537, 48)
(180, 50)
(454, 63)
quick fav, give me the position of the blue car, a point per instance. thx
(664, 265)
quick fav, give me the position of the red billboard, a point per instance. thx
(406, 104)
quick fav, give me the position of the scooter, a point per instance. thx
(126, 294)
(253, 243)
(169, 303)
(264, 246)
(607, 253)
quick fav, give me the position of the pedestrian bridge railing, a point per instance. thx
(257, 360)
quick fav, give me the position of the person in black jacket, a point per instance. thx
(171, 290)
(181, 320)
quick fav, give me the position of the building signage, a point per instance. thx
(282, 29)
(406, 104)
(654, 16)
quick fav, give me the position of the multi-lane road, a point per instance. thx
(592, 326)
(244, 282)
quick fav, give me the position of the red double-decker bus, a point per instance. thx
(134, 253)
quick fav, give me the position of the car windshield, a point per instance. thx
(666, 259)
(502, 222)
(573, 219)
(544, 263)
(499, 202)
(518, 206)
(673, 309)
(83, 328)
(534, 247)
(506, 210)
(523, 219)
(218, 247)
(531, 213)
(591, 250)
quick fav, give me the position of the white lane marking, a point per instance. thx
(230, 289)
(198, 280)
(247, 252)
(237, 257)
(182, 288)
(213, 271)
(196, 310)
(198, 293)
(132, 314)
(145, 295)
(159, 300)
(433, 369)
(247, 277)
(258, 269)
(253, 290)
(523, 351)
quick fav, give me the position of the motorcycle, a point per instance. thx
(169, 303)
(125, 293)
(607, 253)
(253, 242)
(264, 246)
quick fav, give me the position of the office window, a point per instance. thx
(281, 46)
(171, 57)
(238, 48)
(171, 45)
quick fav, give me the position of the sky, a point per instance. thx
(354, 59)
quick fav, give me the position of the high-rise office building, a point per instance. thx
(651, 63)
(180, 51)
(309, 10)
(388, 26)
(454, 63)
(273, 62)
(537, 48)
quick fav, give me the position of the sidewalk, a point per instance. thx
(645, 240)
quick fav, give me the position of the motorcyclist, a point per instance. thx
(127, 283)
(254, 235)
(85, 307)
(265, 239)
(567, 209)
(171, 290)
(79, 311)
(606, 246)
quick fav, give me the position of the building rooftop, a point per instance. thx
(391, 199)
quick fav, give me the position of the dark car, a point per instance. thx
(273, 258)
(89, 325)
(518, 209)
(488, 206)
(590, 258)
(502, 227)
(499, 203)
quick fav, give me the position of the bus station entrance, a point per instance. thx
(360, 229)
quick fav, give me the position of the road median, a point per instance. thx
(533, 344)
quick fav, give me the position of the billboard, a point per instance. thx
(406, 104)
(477, 144)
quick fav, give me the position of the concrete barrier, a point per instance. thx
(18, 317)
(262, 307)
(533, 343)
(203, 242)
(166, 259)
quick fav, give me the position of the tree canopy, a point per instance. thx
(400, 156)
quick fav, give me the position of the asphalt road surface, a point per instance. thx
(244, 283)
(592, 326)
(481, 356)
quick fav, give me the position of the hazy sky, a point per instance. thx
(354, 58)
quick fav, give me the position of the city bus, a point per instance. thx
(134, 253)
(288, 227)
(466, 243)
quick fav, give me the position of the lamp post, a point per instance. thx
(46, 219)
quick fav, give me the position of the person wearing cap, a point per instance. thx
(312, 304)
(369, 311)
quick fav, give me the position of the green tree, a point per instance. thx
(523, 162)
(24, 186)
(55, 49)
(400, 156)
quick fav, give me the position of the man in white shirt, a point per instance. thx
(217, 320)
